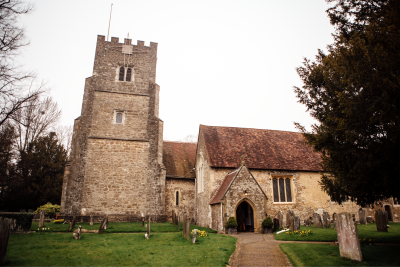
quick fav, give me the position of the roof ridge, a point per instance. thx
(249, 128)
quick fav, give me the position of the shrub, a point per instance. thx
(267, 223)
(51, 209)
(23, 220)
(231, 223)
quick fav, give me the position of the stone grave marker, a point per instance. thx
(317, 220)
(187, 228)
(103, 224)
(361, 215)
(194, 236)
(335, 218)
(106, 224)
(289, 214)
(173, 217)
(72, 224)
(91, 219)
(290, 222)
(347, 234)
(276, 224)
(326, 219)
(306, 222)
(4, 234)
(184, 224)
(77, 235)
(380, 218)
(41, 219)
(370, 219)
(296, 223)
(280, 218)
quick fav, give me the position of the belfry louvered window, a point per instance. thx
(121, 73)
(282, 189)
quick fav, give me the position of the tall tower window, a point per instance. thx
(121, 73)
(177, 198)
(128, 74)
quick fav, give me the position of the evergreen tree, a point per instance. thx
(353, 91)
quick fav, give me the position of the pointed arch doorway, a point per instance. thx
(245, 217)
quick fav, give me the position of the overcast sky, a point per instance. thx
(220, 63)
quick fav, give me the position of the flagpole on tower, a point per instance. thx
(109, 23)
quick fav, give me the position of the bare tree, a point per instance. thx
(17, 88)
(35, 119)
(191, 138)
(64, 136)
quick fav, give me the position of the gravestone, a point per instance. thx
(289, 214)
(148, 229)
(91, 219)
(187, 228)
(72, 224)
(103, 224)
(142, 220)
(41, 219)
(347, 234)
(296, 223)
(280, 218)
(194, 236)
(290, 222)
(4, 234)
(306, 222)
(317, 220)
(173, 218)
(77, 235)
(380, 218)
(335, 218)
(361, 215)
(184, 224)
(370, 219)
(276, 224)
(326, 219)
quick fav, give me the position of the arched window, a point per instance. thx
(118, 117)
(177, 198)
(121, 73)
(128, 74)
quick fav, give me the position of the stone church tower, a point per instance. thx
(116, 164)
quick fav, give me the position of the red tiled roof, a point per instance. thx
(264, 149)
(223, 187)
(179, 158)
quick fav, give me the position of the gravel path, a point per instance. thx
(257, 250)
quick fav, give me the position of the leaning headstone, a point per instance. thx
(4, 234)
(41, 219)
(276, 224)
(380, 218)
(103, 225)
(280, 218)
(361, 216)
(347, 234)
(296, 223)
(187, 228)
(326, 219)
(370, 219)
(72, 224)
(106, 224)
(77, 235)
(289, 214)
(91, 219)
(184, 224)
(194, 236)
(317, 220)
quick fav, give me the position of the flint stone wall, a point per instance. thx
(185, 187)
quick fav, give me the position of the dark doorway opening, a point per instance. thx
(387, 209)
(245, 217)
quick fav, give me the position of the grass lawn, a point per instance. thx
(364, 231)
(328, 255)
(111, 249)
(120, 227)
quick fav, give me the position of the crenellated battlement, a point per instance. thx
(115, 42)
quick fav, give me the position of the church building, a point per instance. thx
(121, 167)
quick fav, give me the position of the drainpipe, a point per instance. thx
(195, 199)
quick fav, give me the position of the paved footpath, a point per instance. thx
(257, 250)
